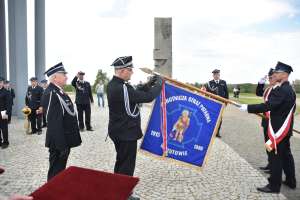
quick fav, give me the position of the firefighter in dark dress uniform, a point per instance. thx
(62, 129)
(280, 109)
(12, 94)
(83, 100)
(218, 87)
(124, 126)
(5, 109)
(44, 85)
(33, 101)
(261, 91)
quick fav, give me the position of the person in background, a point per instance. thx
(5, 109)
(12, 93)
(100, 93)
(33, 101)
(44, 85)
(83, 100)
(218, 87)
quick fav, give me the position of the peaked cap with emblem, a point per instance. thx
(58, 68)
(33, 79)
(122, 62)
(282, 67)
(216, 71)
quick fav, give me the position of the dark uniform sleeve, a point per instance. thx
(141, 96)
(54, 116)
(8, 103)
(272, 104)
(260, 89)
(226, 90)
(74, 82)
(90, 93)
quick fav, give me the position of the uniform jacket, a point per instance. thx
(122, 126)
(33, 97)
(280, 102)
(218, 88)
(62, 128)
(84, 93)
(5, 101)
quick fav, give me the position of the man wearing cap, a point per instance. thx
(12, 94)
(5, 111)
(33, 101)
(83, 100)
(62, 128)
(261, 91)
(280, 109)
(218, 87)
(124, 126)
(44, 85)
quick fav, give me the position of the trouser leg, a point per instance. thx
(88, 116)
(57, 162)
(4, 131)
(126, 157)
(32, 118)
(80, 115)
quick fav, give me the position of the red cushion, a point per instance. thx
(77, 183)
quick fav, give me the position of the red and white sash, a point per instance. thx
(266, 98)
(276, 138)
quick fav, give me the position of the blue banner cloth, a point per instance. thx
(192, 121)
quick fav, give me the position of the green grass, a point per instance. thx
(248, 98)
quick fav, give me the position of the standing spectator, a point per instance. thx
(84, 98)
(218, 87)
(44, 85)
(100, 93)
(62, 130)
(5, 111)
(33, 101)
(12, 93)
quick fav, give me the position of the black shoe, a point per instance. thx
(290, 184)
(90, 129)
(4, 146)
(267, 189)
(44, 126)
(133, 198)
(265, 168)
(268, 171)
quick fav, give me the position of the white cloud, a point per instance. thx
(90, 34)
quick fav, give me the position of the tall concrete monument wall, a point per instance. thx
(162, 53)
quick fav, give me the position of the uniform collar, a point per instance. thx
(115, 78)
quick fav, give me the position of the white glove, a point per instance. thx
(263, 80)
(244, 107)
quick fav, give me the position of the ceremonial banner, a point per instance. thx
(182, 125)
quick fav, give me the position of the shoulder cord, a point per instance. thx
(127, 104)
(48, 106)
(64, 105)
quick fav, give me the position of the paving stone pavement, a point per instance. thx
(243, 133)
(226, 176)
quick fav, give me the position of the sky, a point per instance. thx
(242, 38)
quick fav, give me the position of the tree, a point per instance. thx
(101, 77)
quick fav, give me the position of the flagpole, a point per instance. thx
(190, 87)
